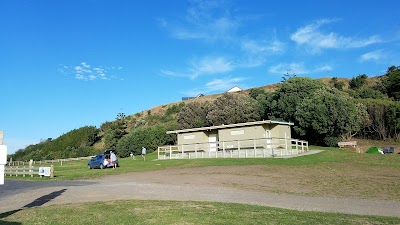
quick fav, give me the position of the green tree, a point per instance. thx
(369, 92)
(392, 82)
(290, 94)
(56, 148)
(233, 108)
(289, 74)
(175, 108)
(393, 119)
(337, 84)
(358, 82)
(149, 137)
(193, 115)
(328, 115)
(115, 131)
(263, 105)
(255, 92)
(378, 128)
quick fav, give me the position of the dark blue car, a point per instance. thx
(100, 161)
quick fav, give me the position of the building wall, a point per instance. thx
(241, 133)
(227, 137)
(188, 139)
(279, 130)
(192, 137)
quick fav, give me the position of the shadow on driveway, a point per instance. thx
(37, 202)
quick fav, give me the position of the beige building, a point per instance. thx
(259, 134)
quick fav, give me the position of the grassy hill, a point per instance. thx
(90, 140)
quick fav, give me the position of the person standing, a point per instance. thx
(113, 158)
(144, 153)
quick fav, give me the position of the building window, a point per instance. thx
(187, 137)
(237, 132)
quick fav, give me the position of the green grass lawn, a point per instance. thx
(331, 173)
(330, 157)
(175, 212)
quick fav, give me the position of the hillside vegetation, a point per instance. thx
(324, 112)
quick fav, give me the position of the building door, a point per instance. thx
(268, 139)
(212, 139)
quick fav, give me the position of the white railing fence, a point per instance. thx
(25, 170)
(47, 161)
(249, 148)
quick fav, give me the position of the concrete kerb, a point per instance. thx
(310, 152)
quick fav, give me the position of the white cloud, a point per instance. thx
(203, 66)
(84, 71)
(206, 20)
(372, 56)
(80, 76)
(172, 73)
(78, 68)
(311, 36)
(84, 64)
(282, 68)
(323, 68)
(213, 21)
(223, 84)
(262, 47)
(210, 65)
(92, 77)
(257, 52)
(297, 68)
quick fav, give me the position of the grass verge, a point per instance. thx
(176, 212)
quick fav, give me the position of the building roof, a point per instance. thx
(229, 126)
(234, 89)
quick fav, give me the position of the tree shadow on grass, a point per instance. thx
(37, 202)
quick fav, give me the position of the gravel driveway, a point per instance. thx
(196, 184)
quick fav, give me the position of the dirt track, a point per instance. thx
(221, 184)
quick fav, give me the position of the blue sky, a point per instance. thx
(67, 64)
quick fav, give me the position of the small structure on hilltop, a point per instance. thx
(187, 98)
(234, 89)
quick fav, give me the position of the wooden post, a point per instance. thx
(52, 171)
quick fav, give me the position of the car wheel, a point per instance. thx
(89, 167)
(101, 166)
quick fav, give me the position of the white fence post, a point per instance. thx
(3, 158)
(238, 143)
(223, 148)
